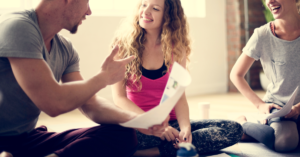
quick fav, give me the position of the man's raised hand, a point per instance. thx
(114, 70)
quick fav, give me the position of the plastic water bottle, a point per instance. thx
(187, 150)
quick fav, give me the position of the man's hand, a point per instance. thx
(295, 112)
(265, 108)
(115, 69)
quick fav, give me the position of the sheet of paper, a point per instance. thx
(178, 80)
(219, 155)
(284, 110)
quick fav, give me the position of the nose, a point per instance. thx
(147, 10)
(89, 11)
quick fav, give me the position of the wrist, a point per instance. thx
(186, 128)
(128, 116)
(257, 105)
(102, 79)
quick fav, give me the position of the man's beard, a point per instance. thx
(74, 29)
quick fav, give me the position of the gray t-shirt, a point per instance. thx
(280, 60)
(20, 36)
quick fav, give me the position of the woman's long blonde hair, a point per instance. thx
(174, 38)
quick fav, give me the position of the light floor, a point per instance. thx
(221, 105)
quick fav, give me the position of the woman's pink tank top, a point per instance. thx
(150, 94)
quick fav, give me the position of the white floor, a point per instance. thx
(221, 105)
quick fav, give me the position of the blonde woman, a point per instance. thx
(158, 35)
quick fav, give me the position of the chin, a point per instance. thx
(74, 29)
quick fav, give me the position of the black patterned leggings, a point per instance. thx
(208, 136)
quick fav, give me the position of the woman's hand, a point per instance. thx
(295, 112)
(156, 130)
(170, 134)
(185, 135)
(265, 108)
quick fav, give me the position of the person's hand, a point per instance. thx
(156, 130)
(294, 113)
(185, 135)
(265, 108)
(170, 134)
(114, 70)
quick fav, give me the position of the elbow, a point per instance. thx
(232, 76)
(54, 109)
(52, 113)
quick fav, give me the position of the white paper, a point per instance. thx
(283, 111)
(178, 80)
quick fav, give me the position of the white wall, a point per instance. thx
(209, 50)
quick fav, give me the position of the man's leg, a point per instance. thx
(104, 140)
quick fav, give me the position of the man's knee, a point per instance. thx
(124, 139)
(116, 132)
(286, 135)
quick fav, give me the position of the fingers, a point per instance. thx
(276, 106)
(185, 137)
(268, 110)
(114, 51)
(190, 139)
(171, 134)
(127, 60)
(263, 121)
(175, 132)
(158, 128)
(175, 144)
(290, 115)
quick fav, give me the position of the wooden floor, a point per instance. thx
(221, 105)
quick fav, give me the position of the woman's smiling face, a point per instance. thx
(151, 14)
(281, 8)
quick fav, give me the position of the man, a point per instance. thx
(33, 59)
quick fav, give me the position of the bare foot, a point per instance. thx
(5, 154)
(241, 119)
(245, 137)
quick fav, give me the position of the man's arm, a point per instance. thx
(36, 79)
(99, 109)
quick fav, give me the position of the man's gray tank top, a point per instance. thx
(280, 60)
(20, 37)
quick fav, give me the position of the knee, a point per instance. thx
(126, 136)
(118, 137)
(286, 136)
(238, 130)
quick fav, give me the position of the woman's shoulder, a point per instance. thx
(263, 31)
